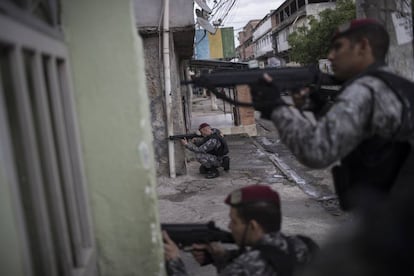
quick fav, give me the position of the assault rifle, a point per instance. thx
(184, 234)
(286, 78)
(186, 136)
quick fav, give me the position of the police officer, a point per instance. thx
(369, 128)
(211, 150)
(255, 220)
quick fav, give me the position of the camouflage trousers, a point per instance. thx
(209, 160)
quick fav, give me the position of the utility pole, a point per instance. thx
(396, 15)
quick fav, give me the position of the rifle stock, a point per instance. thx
(184, 234)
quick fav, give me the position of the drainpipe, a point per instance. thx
(167, 84)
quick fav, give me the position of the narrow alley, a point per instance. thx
(308, 203)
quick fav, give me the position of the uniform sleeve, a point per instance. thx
(246, 264)
(176, 267)
(220, 262)
(209, 145)
(319, 144)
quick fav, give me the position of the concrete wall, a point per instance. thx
(263, 46)
(149, 12)
(262, 29)
(154, 78)
(148, 16)
(262, 38)
(400, 54)
(315, 9)
(282, 42)
(113, 110)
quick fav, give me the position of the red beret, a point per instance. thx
(253, 193)
(353, 25)
(203, 125)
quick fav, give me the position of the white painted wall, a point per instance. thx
(262, 38)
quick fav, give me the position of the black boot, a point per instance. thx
(212, 173)
(203, 170)
(226, 163)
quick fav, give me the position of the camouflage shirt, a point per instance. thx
(251, 262)
(366, 107)
(209, 145)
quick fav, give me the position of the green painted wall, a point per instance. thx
(228, 42)
(113, 112)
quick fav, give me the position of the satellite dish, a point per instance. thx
(202, 4)
(202, 14)
(206, 25)
(217, 23)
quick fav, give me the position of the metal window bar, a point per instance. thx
(50, 164)
(66, 168)
(42, 225)
(71, 123)
(6, 154)
(67, 228)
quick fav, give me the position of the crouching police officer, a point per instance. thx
(255, 222)
(211, 150)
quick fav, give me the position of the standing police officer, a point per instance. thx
(369, 128)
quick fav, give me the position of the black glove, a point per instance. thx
(266, 97)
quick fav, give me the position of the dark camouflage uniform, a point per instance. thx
(251, 262)
(200, 150)
(367, 107)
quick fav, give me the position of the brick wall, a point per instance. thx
(246, 113)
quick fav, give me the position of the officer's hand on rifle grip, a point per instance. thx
(171, 251)
(201, 254)
(266, 96)
(184, 141)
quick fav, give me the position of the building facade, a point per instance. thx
(245, 50)
(290, 15)
(262, 41)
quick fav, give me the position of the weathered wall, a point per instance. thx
(148, 13)
(155, 78)
(113, 109)
(149, 20)
(400, 55)
(153, 69)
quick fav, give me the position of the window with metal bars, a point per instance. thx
(37, 113)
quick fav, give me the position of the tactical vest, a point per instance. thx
(222, 150)
(378, 166)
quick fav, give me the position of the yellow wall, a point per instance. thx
(216, 45)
